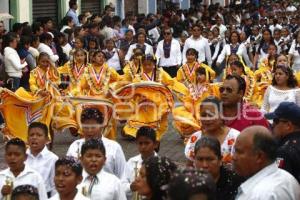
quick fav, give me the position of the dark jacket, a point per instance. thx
(227, 185)
(288, 154)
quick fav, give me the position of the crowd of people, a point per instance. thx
(229, 76)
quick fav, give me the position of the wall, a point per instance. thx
(4, 8)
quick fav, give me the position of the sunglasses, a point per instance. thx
(277, 121)
(227, 89)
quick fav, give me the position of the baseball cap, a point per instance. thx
(286, 110)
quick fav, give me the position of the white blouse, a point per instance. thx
(273, 97)
(226, 147)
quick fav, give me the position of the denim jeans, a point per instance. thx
(15, 83)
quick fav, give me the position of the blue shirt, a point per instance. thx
(72, 13)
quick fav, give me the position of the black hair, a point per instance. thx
(25, 191)
(45, 37)
(40, 126)
(189, 182)
(265, 143)
(239, 64)
(25, 40)
(158, 175)
(34, 38)
(85, 53)
(263, 41)
(8, 38)
(98, 51)
(92, 113)
(17, 27)
(240, 80)
(70, 162)
(36, 27)
(80, 17)
(27, 30)
(192, 51)
(66, 20)
(72, 3)
(95, 144)
(292, 81)
(202, 71)
(197, 25)
(210, 142)
(146, 131)
(212, 100)
(17, 142)
(93, 39)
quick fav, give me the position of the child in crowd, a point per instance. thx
(96, 183)
(25, 192)
(68, 174)
(146, 142)
(17, 172)
(39, 157)
(92, 119)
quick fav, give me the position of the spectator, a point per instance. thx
(286, 128)
(199, 43)
(12, 61)
(254, 159)
(72, 11)
(168, 53)
(45, 43)
(238, 115)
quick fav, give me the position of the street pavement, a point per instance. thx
(171, 145)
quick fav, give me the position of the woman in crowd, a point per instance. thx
(208, 157)
(283, 88)
(113, 55)
(262, 47)
(294, 53)
(213, 125)
(154, 177)
(235, 47)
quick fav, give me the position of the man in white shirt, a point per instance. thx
(254, 158)
(168, 53)
(91, 119)
(199, 43)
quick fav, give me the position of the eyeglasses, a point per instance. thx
(228, 89)
(277, 121)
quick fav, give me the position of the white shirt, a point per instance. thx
(148, 50)
(12, 63)
(114, 61)
(67, 48)
(273, 97)
(27, 177)
(175, 54)
(115, 159)
(201, 45)
(45, 48)
(226, 147)
(242, 51)
(44, 164)
(108, 187)
(296, 56)
(79, 196)
(154, 34)
(270, 183)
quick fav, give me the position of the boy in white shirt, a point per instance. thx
(92, 120)
(68, 174)
(17, 172)
(96, 183)
(39, 157)
(147, 143)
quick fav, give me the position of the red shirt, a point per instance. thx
(248, 116)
